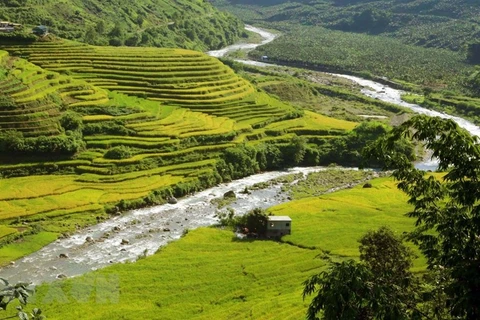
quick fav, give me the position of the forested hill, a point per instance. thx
(432, 23)
(193, 24)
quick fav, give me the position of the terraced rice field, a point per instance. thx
(174, 110)
(172, 76)
(33, 89)
(33, 195)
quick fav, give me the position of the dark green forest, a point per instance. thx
(160, 23)
(450, 24)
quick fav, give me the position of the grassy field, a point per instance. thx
(209, 274)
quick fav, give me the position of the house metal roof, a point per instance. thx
(279, 218)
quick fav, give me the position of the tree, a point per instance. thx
(385, 255)
(295, 150)
(71, 121)
(380, 286)
(100, 27)
(255, 221)
(90, 35)
(118, 152)
(118, 31)
(473, 53)
(341, 292)
(20, 292)
(447, 208)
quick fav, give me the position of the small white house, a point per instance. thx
(278, 226)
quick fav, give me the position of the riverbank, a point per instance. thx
(142, 232)
(380, 88)
(210, 274)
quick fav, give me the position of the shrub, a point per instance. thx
(120, 152)
(71, 121)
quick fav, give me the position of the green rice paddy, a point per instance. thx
(209, 274)
(175, 110)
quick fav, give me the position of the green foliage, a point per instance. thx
(14, 142)
(7, 103)
(161, 23)
(20, 292)
(120, 152)
(453, 103)
(381, 286)
(346, 150)
(447, 210)
(473, 53)
(71, 121)
(253, 222)
(241, 161)
(17, 37)
(370, 20)
(269, 157)
(332, 51)
(347, 280)
(442, 23)
(116, 127)
(296, 150)
(386, 256)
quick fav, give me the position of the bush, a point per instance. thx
(71, 121)
(7, 103)
(120, 152)
(14, 142)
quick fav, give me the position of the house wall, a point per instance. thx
(278, 228)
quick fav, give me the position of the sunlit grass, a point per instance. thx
(210, 275)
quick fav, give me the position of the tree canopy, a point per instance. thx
(447, 212)
(446, 207)
(380, 286)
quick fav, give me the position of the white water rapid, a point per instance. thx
(142, 231)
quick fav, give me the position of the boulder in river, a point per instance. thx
(61, 276)
(63, 256)
(89, 239)
(166, 229)
(230, 194)
(125, 241)
(172, 200)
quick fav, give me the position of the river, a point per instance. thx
(144, 231)
(370, 88)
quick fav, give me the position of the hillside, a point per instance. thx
(103, 119)
(447, 24)
(162, 23)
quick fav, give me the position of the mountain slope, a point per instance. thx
(163, 23)
(447, 24)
